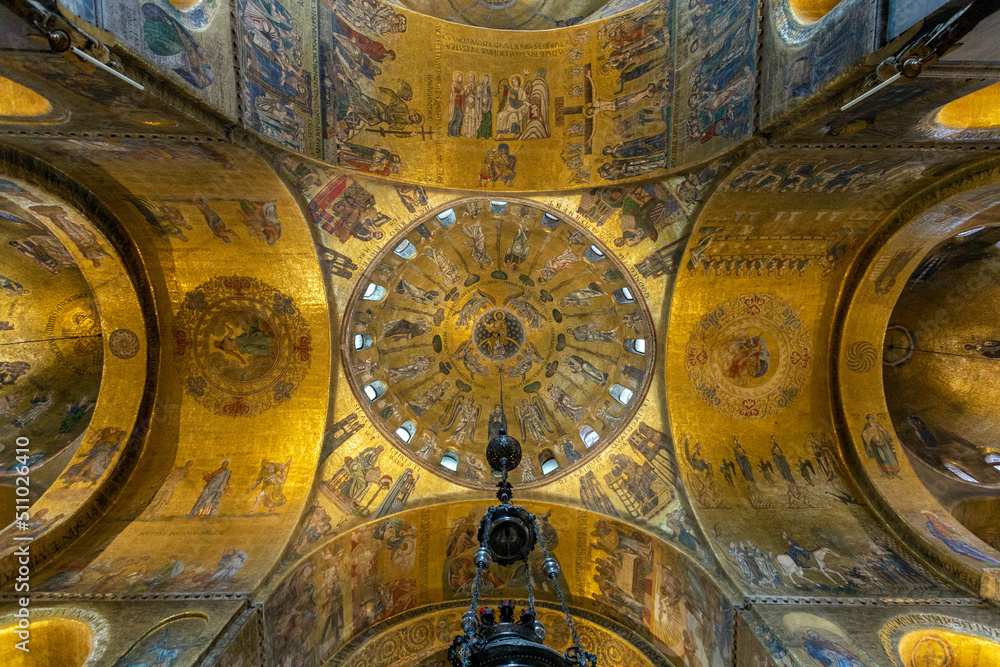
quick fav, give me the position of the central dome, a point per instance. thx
(519, 14)
(488, 289)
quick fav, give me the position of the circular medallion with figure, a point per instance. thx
(749, 357)
(244, 347)
(490, 289)
(74, 332)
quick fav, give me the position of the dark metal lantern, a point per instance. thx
(508, 533)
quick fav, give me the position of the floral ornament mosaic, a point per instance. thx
(749, 357)
(243, 346)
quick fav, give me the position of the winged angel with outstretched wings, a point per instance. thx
(531, 415)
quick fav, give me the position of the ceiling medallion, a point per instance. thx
(577, 341)
(242, 346)
(749, 357)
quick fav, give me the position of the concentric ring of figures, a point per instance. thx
(483, 289)
(243, 346)
(749, 357)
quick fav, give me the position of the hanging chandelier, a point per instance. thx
(508, 534)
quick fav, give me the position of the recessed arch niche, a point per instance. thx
(976, 111)
(872, 432)
(810, 11)
(930, 640)
(54, 642)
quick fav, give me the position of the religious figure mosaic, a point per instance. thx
(242, 346)
(428, 323)
(748, 358)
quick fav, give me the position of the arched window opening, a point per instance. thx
(548, 462)
(549, 221)
(994, 460)
(374, 292)
(375, 390)
(363, 341)
(810, 11)
(446, 218)
(636, 345)
(976, 111)
(406, 250)
(589, 436)
(623, 295)
(621, 394)
(450, 460)
(498, 208)
(406, 431)
(594, 254)
(961, 474)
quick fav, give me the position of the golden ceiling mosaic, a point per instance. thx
(255, 319)
(487, 289)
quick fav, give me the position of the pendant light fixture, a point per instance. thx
(509, 534)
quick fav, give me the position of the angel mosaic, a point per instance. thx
(466, 355)
(472, 307)
(521, 367)
(531, 416)
(523, 107)
(520, 304)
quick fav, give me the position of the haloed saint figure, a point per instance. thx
(241, 345)
(749, 358)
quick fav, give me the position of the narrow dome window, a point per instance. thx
(623, 295)
(621, 394)
(450, 460)
(374, 292)
(363, 341)
(446, 218)
(593, 254)
(993, 460)
(636, 345)
(406, 250)
(375, 390)
(969, 232)
(548, 462)
(549, 221)
(406, 431)
(498, 207)
(961, 474)
(589, 436)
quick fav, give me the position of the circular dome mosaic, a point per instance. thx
(487, 288)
